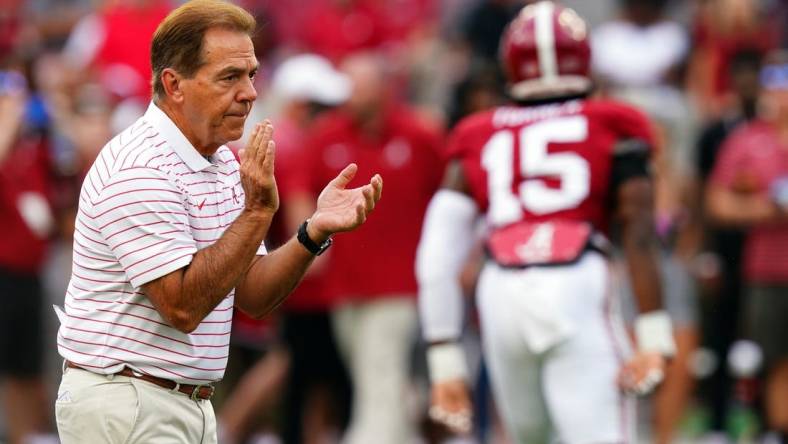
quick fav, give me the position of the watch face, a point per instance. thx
(324, 246)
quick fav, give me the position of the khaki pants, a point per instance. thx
(93, 408)
(375, 338)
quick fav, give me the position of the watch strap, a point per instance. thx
(308, 243)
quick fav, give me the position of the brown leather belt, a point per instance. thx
(192, 391)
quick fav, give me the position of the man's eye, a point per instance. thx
(231, 78)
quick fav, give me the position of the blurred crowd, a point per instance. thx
(380, 82)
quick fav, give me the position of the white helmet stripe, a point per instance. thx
(545, 40)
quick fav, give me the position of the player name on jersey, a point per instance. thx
(515, 116)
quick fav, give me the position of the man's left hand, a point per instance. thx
(342, 209)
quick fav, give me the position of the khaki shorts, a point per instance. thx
(93, 408)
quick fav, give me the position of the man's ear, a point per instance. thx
(172, 82)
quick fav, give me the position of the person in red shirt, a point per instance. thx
(27, 222)
(749, 188)
(316, 389)
(548, 175)
(370, 278)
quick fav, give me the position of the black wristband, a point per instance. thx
(309, 244)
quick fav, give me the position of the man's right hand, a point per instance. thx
(451, 405)
(642, 373)
(257, 170)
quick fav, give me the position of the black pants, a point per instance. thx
(21, 325)
(315, 362)
(720, 323)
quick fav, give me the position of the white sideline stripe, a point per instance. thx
(545, 41)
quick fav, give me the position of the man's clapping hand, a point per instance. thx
(257, 170)
(343, 209)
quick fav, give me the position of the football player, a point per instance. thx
(549, 175)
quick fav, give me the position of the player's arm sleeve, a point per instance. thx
(142, 217)
(446, 240)
(636, 143)
(631, 159)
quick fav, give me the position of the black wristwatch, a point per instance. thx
(309, 244)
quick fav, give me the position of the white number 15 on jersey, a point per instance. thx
(535, 163)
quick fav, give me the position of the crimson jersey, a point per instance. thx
(547, 162)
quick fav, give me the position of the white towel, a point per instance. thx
(539, 300)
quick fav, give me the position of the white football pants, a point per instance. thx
(554, 342)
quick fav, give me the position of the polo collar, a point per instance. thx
(175, 138)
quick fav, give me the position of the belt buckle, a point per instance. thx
(195, 393)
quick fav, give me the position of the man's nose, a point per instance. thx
(247, 93)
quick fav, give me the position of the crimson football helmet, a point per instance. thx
(545, 52)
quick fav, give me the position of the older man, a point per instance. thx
(169, 240)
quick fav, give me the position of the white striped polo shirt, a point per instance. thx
(148, 203)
